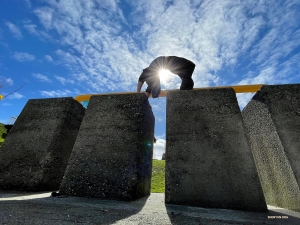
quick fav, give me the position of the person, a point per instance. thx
(182, 67)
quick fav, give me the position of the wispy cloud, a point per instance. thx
(31, 28)
(45, 16)
(42, 35)
(14, 30)
(41, 77)
(64, 81)
(15, 95)
(109, 44)
(57, 93)
(23, 56)
(48, 58)
(9, 81)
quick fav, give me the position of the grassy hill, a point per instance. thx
(158, 176)
(2, 131)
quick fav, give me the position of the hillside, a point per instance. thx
(158, 176)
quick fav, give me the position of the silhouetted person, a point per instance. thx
(182, 67)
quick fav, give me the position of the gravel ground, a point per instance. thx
(41, 208)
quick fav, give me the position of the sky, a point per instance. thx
(64, 48)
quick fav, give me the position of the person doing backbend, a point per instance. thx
(182, 67)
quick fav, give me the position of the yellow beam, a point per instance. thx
(237, 88)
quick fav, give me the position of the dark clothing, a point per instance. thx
(182, 67)
(151, 77)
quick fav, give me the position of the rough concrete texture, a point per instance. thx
(272, 121)
(112, 155)
(36, 151)
(208, 158)
(40, 208)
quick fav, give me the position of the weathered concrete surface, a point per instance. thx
(25, 209)
(36, 151)
(272, 121)
(112, 155)
(208, 158)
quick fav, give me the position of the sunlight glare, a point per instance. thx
(163, 74)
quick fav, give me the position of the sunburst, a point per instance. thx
(164, 75)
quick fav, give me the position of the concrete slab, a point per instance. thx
(272, 121)
(36, 151)
(40, 208)
(112, 155)
(208, 158)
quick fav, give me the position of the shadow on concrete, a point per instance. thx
(40, 208)
(197, 215)
(21, 208)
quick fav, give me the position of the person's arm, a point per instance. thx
(139, 86)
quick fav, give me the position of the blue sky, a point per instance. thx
(69, 47)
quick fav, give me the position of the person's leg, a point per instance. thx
(186, 77)
(187, 83)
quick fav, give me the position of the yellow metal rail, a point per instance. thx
(238, 89)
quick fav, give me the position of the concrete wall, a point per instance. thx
(208, 158)
(272, 120)
(112, 156)
(36, 151)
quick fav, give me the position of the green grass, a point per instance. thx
(158, 176)
(2, 130)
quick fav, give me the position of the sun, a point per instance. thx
(164, 74)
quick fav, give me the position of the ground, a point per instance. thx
(41, 208)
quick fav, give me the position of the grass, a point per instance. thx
(2, 130)
(158, 176)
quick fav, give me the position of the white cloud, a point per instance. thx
(42, 35)
(45, 16)
(64, 80)
(31, 28)
(9, 81)
(14, 30)
(23, 56)
(41, 77)
(48, 58)
(5, 81)
(15, 95)
(57, 93)
(107, 50)
(159, 148)
(267, 75)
